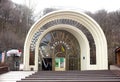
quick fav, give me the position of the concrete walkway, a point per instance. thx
(14, 76)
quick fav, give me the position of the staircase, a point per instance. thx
(74, 76)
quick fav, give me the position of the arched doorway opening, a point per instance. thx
(59, 50)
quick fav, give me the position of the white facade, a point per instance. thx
(85, 20)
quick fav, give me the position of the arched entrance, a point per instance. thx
(59, 50)
(76, 24)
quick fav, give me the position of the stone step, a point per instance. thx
(73, 76)
(113, 80)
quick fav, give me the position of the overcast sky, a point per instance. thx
(85, 5)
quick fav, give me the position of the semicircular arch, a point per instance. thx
(85, 20)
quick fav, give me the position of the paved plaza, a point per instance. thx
(13, 76)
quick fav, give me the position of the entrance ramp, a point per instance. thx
(73, 76)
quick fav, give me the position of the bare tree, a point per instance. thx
(14, 24)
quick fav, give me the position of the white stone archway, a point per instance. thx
(87, 22)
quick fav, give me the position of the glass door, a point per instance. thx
(60, 64)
